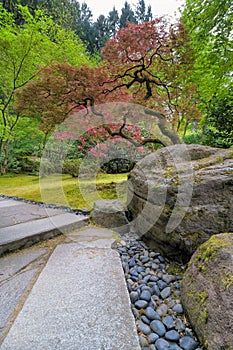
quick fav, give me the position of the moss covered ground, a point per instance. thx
(78, 193)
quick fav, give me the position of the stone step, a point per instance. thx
(80, 301)
(26, 233)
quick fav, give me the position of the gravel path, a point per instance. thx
(155, 298)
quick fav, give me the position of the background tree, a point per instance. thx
(127, 15)
(141, 64)
(22, 50)
(210, 28)
(113, 22)
(218, 123)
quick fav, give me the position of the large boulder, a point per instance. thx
(181, 195)
(207, 291)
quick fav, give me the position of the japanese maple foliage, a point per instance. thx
(144, 64)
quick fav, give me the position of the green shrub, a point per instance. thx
(71, 167)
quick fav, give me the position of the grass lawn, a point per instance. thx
(65, 190)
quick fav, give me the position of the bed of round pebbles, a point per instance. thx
(155, 298)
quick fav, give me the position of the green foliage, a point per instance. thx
(219, 120)
(210, 27)
(71, 167)
(23, 50)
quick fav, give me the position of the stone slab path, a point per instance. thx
(66, 293)
(22, 224)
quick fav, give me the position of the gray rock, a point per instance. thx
(133, 297)
(165, 292)
(179, 325)
(172, 335)
(145, 295)
(207, 290)
(162, 309)
(111, 214)
(143, 342)
(188, 343)
(152, 314)
(186, 195)
(145, 319)
(145, 329)
(153, 337)
(174, 346)
(178, 308)
(156, 290)
(158, 327)
(162, 344)
(168, 321)
(141, 304)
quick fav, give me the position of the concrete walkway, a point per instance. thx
(66, 293)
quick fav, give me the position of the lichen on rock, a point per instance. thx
(207, 290)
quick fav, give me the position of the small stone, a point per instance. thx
(162, 310)
(145, 329)
(135, 313)
(178, 308)
(161, 258)
(153, 278)
(145, 319)
(125, 267)
(161, 284)
(133, 272)
(156, 290)
(134, 297)
(168, 321)
(168, 278)
(152, 314)
(143, 342)
(158, 327)
(152, 347)
(165, 292)
(141, 304)
(172, 335)
(132, 263)
(153, 337)
(145, 295)
(146, 288)
(179, 326)
(162, 344)
(155, 266)
(144, 259)
(140, 269)
(188, 343)
(174, 346)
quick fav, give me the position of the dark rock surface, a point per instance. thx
(207, 291)
(110, 213)
(181, 195)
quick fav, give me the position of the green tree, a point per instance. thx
(113, 22)
(101, 30)
(23, 49)
(140, 12)
(210, 27)
(218, 123)
(127, 15)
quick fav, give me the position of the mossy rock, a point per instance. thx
(180, 196)
(207, 290)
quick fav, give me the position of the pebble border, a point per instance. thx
(155, 298)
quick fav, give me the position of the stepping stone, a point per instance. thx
(27, 233)
(80, 301)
